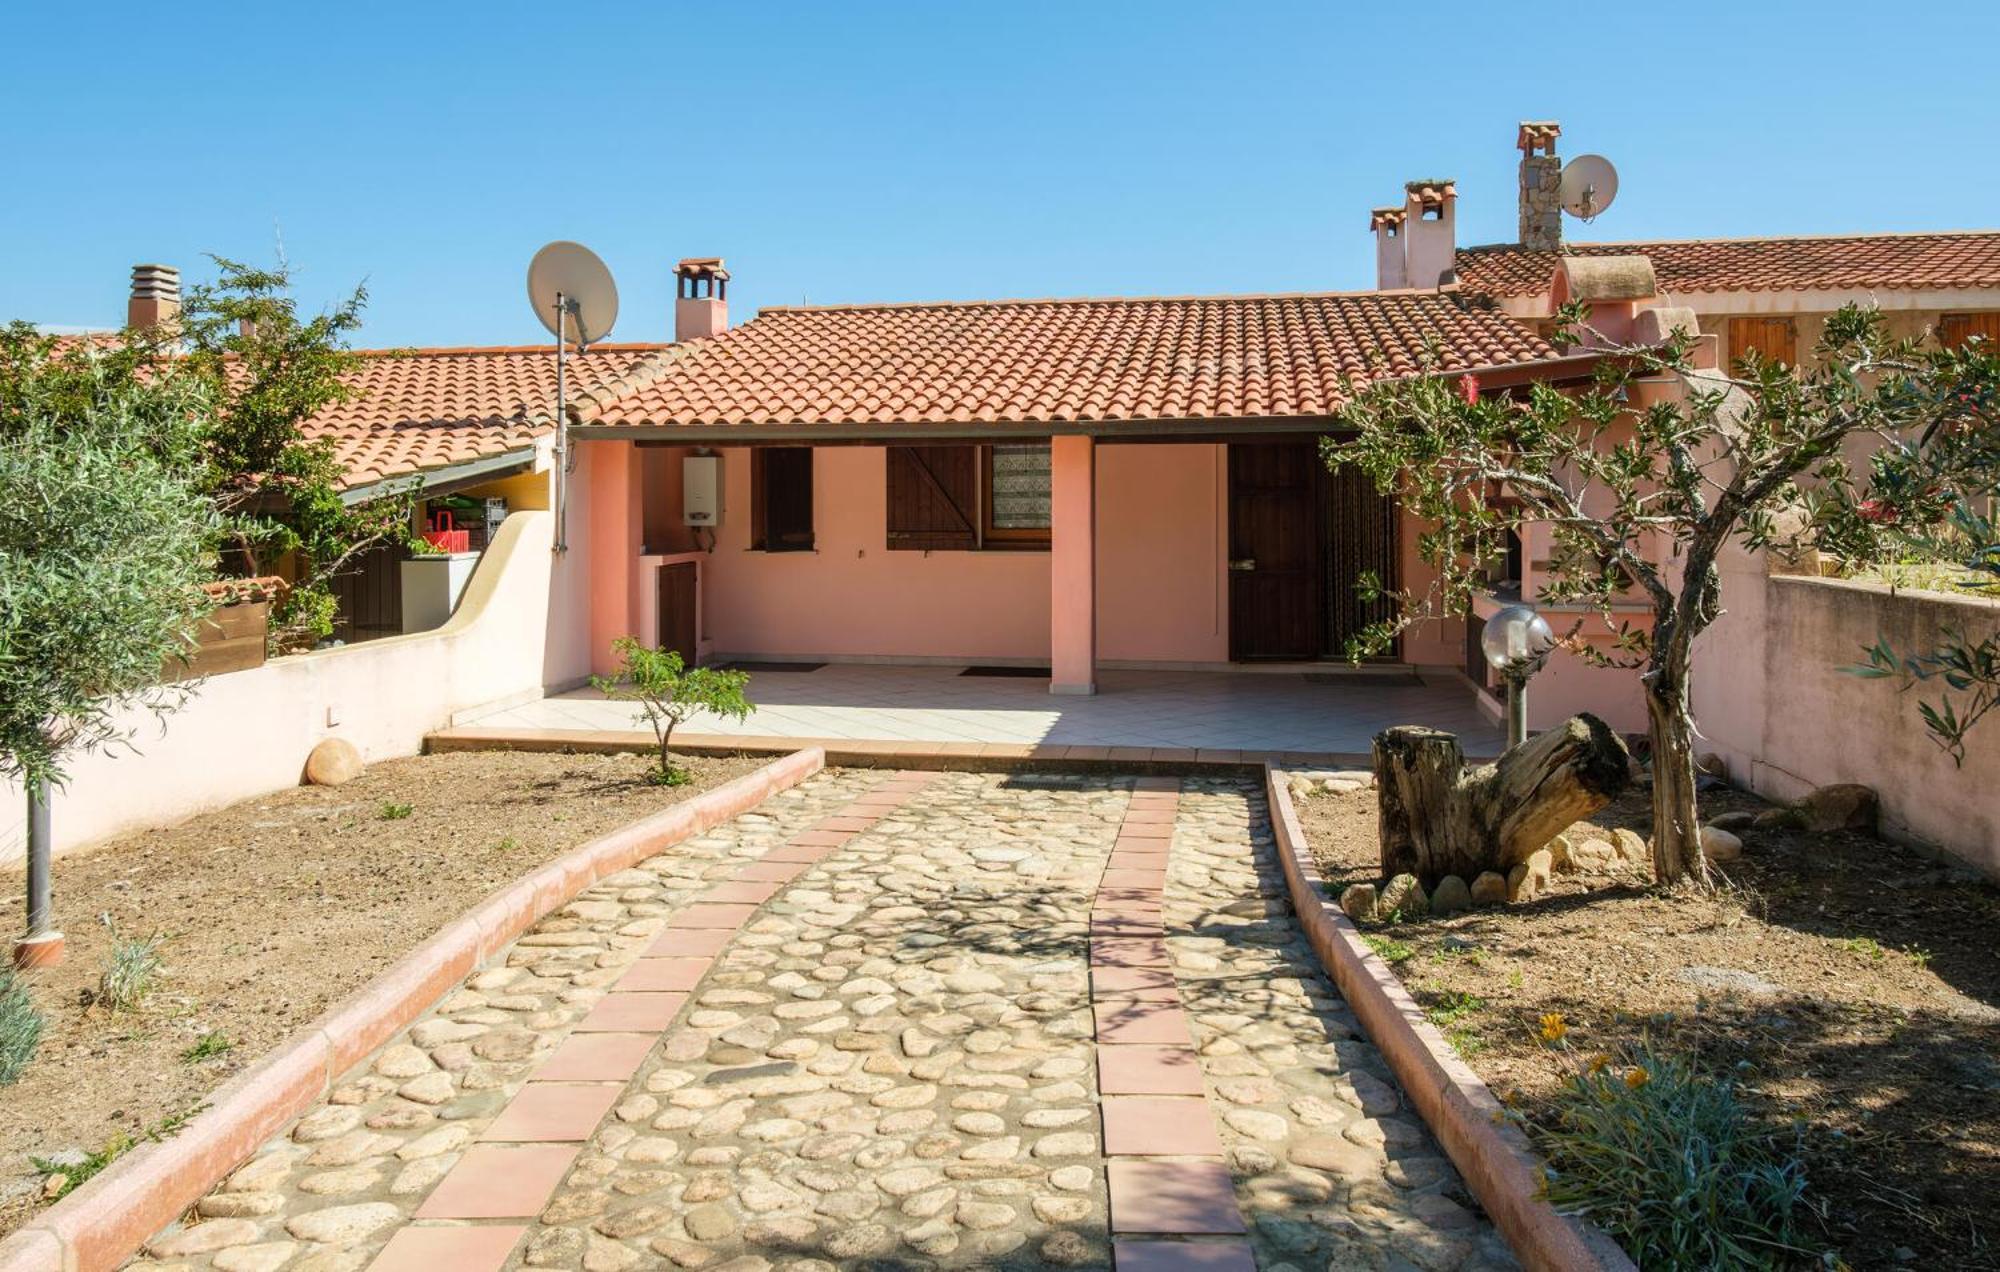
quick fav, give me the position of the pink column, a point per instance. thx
(610, 475)
(1073, 566)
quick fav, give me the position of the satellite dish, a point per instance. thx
(589, 298)
(1589, 184)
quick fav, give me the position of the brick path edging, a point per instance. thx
(1494, 1157)
(110, 1217)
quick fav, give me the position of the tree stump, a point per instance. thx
(1438, 818)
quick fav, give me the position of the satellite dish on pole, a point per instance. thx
(576, 300)
(569, 276)
(1589, 184)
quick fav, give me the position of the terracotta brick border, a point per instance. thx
(105, 1221)
(1172, 1202)
(1499, 1165)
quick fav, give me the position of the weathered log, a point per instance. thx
(1438, 818)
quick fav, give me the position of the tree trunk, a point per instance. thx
(1439, 818)
(1676, 830)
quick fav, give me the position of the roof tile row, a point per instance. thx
(1912, 262)
(1064, 361)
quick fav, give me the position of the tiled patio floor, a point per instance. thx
(1194, 710)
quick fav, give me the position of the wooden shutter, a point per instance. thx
(781, 486)
(1955, 329)
(1775, 338)
(933, 498)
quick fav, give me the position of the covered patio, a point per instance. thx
(1085, 486)
(1220, 714)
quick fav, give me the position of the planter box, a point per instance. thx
(231, 639)
(432, 585)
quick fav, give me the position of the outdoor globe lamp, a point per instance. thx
(1516, 642)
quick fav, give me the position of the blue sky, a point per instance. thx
(850, 152)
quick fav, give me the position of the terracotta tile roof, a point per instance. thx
(1379, 217)
(1433, 193)
(417, 409)
(1034, 361)
(1968, 258)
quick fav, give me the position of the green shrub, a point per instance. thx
(1388, 949)
(210, 1045)
(668, 693)
(1667, 1160)
(74, 1175)
(129, 971)
(20, 1027)
(392, 811)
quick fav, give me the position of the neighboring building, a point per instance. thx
(462, 429)
(470, 432)
(1768, 294)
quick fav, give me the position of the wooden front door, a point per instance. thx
(1277, 585)
(677, 609)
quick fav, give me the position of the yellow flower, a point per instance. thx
(1599, 1063)
(1553, 1027)
(1636, 1077)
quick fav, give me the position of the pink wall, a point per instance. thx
(851, 596)
(1162, 590)
(1770, 697)
(1159, 570)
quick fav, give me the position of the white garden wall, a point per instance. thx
(520, 626)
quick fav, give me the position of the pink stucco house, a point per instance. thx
(1060, 483)
(1080, 483)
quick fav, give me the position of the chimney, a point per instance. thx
(701, 298)
(156, 296)
(1430, 238)
(1388, 226)
(1541, 185)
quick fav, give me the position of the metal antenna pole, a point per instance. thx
(562, 431)
(1517, 708)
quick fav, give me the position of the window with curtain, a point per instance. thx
(1017, 492)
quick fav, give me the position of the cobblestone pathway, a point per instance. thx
(855, 1029)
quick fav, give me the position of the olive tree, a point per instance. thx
(1638, 501)
(104, 546)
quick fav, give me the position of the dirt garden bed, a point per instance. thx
(272, 910)
(1848, 982)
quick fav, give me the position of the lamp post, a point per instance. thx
(1516, 643)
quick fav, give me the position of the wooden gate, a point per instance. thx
(677, 609)
(1361, 541)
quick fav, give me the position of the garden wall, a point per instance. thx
(1772, 700)
(518, 627)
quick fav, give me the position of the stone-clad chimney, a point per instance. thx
(156, 296)
(1430, 237)
(701, 298)
(1388, 226)
(1541, 185)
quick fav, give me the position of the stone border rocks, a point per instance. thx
(109, 1218)
(1493, 1156)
